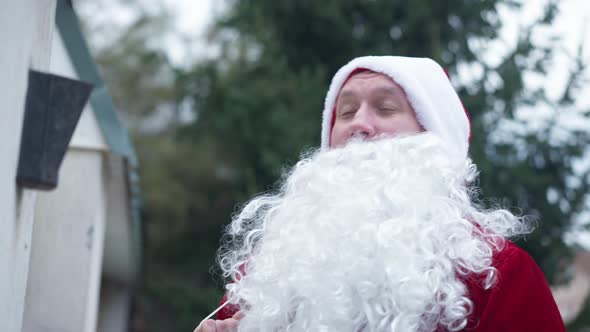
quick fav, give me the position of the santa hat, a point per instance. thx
(428, 89)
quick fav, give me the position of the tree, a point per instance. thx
(258, 106)
(264, 95)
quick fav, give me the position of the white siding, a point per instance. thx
(64, 277)
(26, 28)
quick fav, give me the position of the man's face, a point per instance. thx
(371, 104)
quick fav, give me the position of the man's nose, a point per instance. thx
(363, 125)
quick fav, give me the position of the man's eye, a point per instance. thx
(346, 113)
(388, 109)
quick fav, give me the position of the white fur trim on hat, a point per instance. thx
(428, 89)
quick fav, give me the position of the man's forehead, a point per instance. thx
(381, 82)
(365, 74)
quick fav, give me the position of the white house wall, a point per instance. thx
(64, 277)
(68, 253)
(26, 28)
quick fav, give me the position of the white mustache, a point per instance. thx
(357, 138)
(361, 134)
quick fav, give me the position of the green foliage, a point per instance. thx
(273, 47)
(329, 33)
(258, 106)
(260, 115)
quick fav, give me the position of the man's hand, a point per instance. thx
(226, 325)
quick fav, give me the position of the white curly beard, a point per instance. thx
(374, 236)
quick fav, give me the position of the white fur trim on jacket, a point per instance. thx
(428, 89)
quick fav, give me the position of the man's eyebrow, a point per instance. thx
(388, 90)
(345, 93)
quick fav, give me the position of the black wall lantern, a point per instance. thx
(52, 109)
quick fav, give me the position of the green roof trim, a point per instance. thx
(114, 132)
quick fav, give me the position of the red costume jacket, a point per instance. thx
(520, 301)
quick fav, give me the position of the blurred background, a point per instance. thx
(220, 96)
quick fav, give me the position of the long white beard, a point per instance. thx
(375, 236)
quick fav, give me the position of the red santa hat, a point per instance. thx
(428, 89)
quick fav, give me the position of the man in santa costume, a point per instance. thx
(380, 230)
